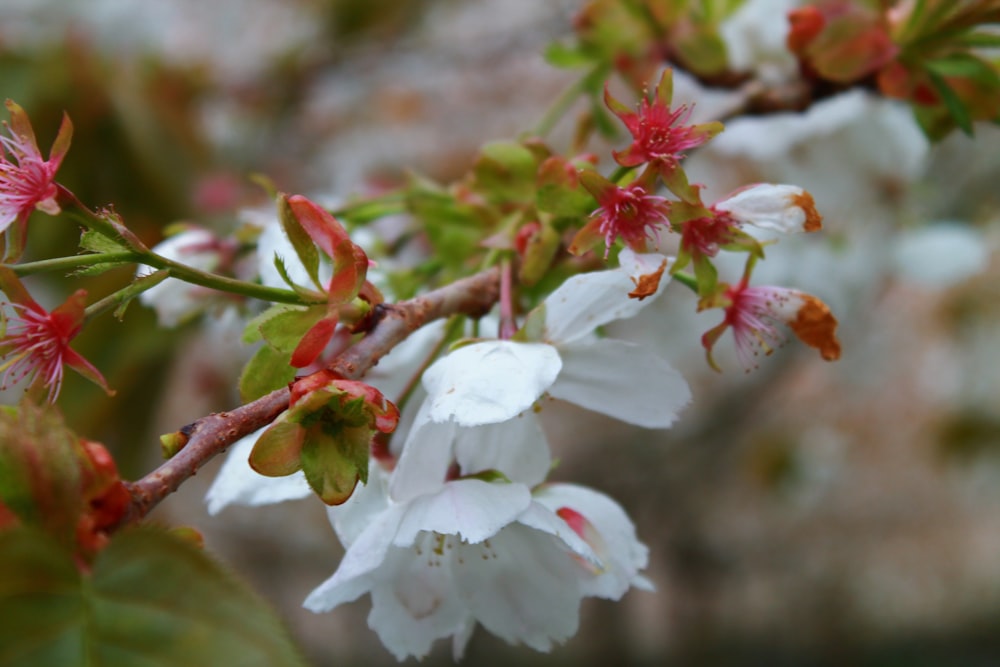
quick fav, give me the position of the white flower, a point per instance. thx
(494, 381)
(175, 300)
(776, 208)
(469, 551)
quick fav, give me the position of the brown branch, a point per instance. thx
(211, 435)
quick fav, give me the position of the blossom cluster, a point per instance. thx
(447, 506)
(462, 526)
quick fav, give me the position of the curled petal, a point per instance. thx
(781, 208)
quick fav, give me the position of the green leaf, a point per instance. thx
(285, 329)
(278, 450)
(40, 460)
(251, 333)
(979, 40)
(966, 66)
(304, 247)
(952, 102)
(559, 191)
(333, 463)
(565, 56)
(454, 228)
(538, 255)
(95, 242)
(703, 51)
(267, 370)
(505, 171)
(152, 599)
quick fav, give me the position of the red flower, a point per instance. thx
(26, 179)
(35, 343)
(753, 313)
(629, 213)
(659, 135)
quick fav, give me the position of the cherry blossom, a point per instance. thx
(630, 213)
(765, 206)
(660, 135)
(753, 314)
(558, 353)
(480, 549)
(35, 342)
(27, 180)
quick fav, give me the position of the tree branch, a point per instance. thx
(212, 435)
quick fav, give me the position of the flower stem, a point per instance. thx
(119, 234)
(76, 261)
(371, 209)
(687, 280)
(508, 325)
(231, 285)
(562, 104)
(124, 295)
(620, 173)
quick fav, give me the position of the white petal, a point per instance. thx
(490, 382)
(587, 301)
(622, 380)
(238, 483)
(521, 585)
(621, 554)
(426, 456)
(638, 265)
(470, 508)
(543, 518)
(461, 639)
(394, 370)
(353, 577)
(516, 447)
(772, 207)
(369, 500)
(415, 603)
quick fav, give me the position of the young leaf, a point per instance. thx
(952, 102)
(151, 599)
(267, 370)
(303, 244)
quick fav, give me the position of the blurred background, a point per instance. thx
(802, 514)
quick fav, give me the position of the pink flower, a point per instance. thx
(753, 313)
(659, 134)
(629, 213)
(35, 342)
(26, 179)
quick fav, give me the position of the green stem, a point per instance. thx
(124, 295)
(224, 284)
(372, 209)
(618, 174)
(562, 104)
(92, 221)
(687, 280)
(76, 261)
(121, 235)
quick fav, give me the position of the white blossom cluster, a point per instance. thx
(462, 526)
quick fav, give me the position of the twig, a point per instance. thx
(211, 435)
